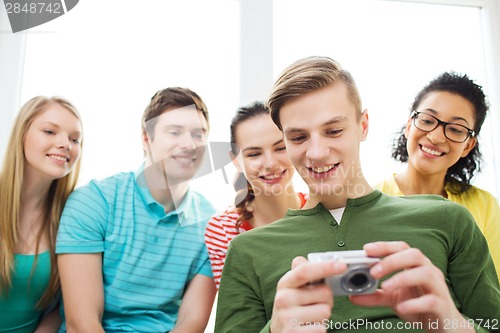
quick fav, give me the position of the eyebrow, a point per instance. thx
(50, 123)
(454, 118)
(332, 121)
(260, 148)
(204, 129)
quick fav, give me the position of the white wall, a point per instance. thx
(11, 73)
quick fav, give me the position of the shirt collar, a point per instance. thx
(186, 216)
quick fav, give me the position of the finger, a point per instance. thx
(382, 249)
(404, 259)
(429, 277)
(297, 261)
(306, 273)
(420, 304)
(307, 295)
(379, 298)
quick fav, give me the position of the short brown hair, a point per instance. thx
(308, 75)
(170, 98)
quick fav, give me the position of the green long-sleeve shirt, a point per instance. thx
(444, 231)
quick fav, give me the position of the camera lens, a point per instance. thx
(357, 280)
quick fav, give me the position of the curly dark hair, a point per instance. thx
(244, 191)
(458, 177)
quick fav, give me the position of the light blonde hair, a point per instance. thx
(307, 75)
(11, 184)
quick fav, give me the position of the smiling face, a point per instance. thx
(178, 140)
(262, 156)
(431, 152)
(52, 143)
(322, 136)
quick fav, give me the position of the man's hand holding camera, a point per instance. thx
(416, 293)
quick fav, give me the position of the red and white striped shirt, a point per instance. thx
(221, 229)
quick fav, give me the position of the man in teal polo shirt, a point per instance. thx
(131, 253)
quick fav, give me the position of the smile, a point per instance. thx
(274, 176)
(431, 151)
(324, 168)
(184, 160)
(58, 158)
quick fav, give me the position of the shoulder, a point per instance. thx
(423, 204)
(293, 223)
(225, 220)
(99, 190)
(112, 183)
(389, 186)
(476, 193)
(200, 202)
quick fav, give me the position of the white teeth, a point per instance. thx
(184, 159)
(271, 177)
(323, 169)
(432, 152)
(59, 158)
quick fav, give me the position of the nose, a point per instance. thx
(269, 160)
(187, 142)
(316, 151)
(64, 143)
(437, 135)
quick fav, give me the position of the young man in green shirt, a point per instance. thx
(436, 271)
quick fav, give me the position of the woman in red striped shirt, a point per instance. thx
(264, 188)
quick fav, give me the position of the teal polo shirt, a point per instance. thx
(148, 256)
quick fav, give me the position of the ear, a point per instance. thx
(471, 143)
(364, 124)
(408, 126)
(146, 143)
(236, 163)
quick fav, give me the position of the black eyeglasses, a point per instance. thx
(452, 131)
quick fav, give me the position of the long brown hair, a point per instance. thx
(11, 184)
(244, 191)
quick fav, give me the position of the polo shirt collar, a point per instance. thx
(185, 212)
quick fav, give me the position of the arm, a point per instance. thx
(83, 292)
(196, 305)
(216, 241)
(241, 307)
(492, 231)
(50, 323)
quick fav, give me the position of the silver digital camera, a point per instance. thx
(357, 279)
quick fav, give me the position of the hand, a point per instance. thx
(298, 301)
(417, 293)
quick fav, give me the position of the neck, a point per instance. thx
(34, 192)
(169, 196)
(32, 213)
(269, 208)
(339, 196)
(412, 182)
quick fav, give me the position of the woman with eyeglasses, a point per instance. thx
(439, 144)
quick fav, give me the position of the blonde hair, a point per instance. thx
(307, 75)
(11, 184)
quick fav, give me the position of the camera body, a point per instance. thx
(357, 280)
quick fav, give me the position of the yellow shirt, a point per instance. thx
(481, 204)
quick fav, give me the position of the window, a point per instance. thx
(392, 49)
(110, 57)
